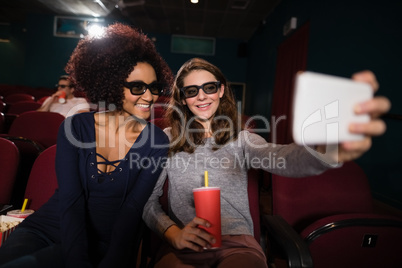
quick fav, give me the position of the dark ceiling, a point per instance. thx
(213, 18)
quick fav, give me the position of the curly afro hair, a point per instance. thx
(99, 66)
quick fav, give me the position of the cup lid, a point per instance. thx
(206, 189)
(17, 212)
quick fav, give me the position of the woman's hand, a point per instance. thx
(191, 236)
(375, 107)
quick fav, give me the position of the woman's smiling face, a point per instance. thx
(203, 106)
(140, 105)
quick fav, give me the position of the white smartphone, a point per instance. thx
(323, 108)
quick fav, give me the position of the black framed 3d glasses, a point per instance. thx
(208, 88)
(139, 87)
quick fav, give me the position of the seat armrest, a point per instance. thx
(290, 242)
(5, 208)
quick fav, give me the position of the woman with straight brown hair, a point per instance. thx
(204, 136)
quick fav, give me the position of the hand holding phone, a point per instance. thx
(323, 108)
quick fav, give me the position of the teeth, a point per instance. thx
(143, 105)
(202, 106)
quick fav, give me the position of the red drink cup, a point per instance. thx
(207, 202)
(62, 97)
(18, 214)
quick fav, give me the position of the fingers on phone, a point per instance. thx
(375, 106)
(383, 105)
(358, 147)
(367, 77)
(373, 128)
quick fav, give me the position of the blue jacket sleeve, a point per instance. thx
(71, 200)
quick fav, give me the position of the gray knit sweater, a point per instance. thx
(227, 169)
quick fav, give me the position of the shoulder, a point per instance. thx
(83, 117)
(246, 138)
(80, 120)
(77, 100)
(157, 134)
(78, 128)
(244, 134)
(156, 129)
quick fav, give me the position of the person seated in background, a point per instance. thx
(66, 105)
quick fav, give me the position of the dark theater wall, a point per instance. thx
(36, 58)
(345, 37)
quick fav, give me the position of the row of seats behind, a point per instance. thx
(41, 182)
(32, 132)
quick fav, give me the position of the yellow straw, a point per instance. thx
(24, 205)
(206, 178)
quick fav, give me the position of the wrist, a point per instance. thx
(171, 233)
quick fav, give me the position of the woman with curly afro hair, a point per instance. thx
(107, 162)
